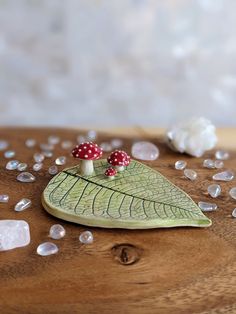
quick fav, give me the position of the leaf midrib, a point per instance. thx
(130, 195)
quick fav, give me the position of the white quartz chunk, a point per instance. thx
(193, 137)
(13, 234)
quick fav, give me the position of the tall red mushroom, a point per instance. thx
(87, 152)
(119, 159)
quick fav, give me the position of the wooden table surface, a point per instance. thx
(178, 270)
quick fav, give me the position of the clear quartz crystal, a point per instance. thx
(30, 142)
(57, 232)
(23, 204)
(26, 177)
(38, 157)
(81, 139)
(209, 163)
(106, 146)
(60, 160)
(86, 237)
(47, 248)
(224, 176)
(207, 207)
(53, 139)
(222, 155)
(13, 234)
(3, 145)
(116, 143)
(180, 164)
(47, 153)
(9, 154)
(219, 164)
(91, 135)
(214, 190)
(46, 147)
(234, 213)
(22, 166)
(38, 166)
(190, 174)
(66, 144)
(12, 165)
(232, 193)
(145, 151)
(53, 170)
(4, 198)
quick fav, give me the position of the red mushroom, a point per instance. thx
(110, 173)
(119, 159)
(87, 152)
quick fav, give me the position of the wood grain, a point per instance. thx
(181, 270)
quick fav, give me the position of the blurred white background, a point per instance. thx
(117, 63)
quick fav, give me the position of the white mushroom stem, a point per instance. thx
(111, 177)
(86, 167)
(120, 168)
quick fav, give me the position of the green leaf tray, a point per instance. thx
(137, 198)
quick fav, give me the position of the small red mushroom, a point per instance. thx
(110, 173)
(119, 159)
(87, 152)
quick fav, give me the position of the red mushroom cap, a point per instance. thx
(110, 172)
(119, 158)
(87, 151)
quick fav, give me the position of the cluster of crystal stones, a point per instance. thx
(212, 164)
(57, 232)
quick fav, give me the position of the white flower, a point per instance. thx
(194, 137)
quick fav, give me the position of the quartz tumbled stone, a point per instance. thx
(86, 237)
(57, 232)
(53, 170)
(46, 147)
(4, 198)
(106, 147)
(53, 139)
(39, 157)
(23, 204)
(91, 135)
(47, 153)
(12, 165)
(66, 144)
(190, 174)
(207, 207)
(47, 248)
(145, 151)
(60, 160)
(222, 155)
(116, 143)
(30, 142)
(209, 163)
(13, 234)
(219, 164)
(234, 213)
(224, 176)
(26, 177)
(180, 165)
(3, 145)
(214, 190)
(232, 193)
(38, 166)
(22, 166)
(9, 154)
